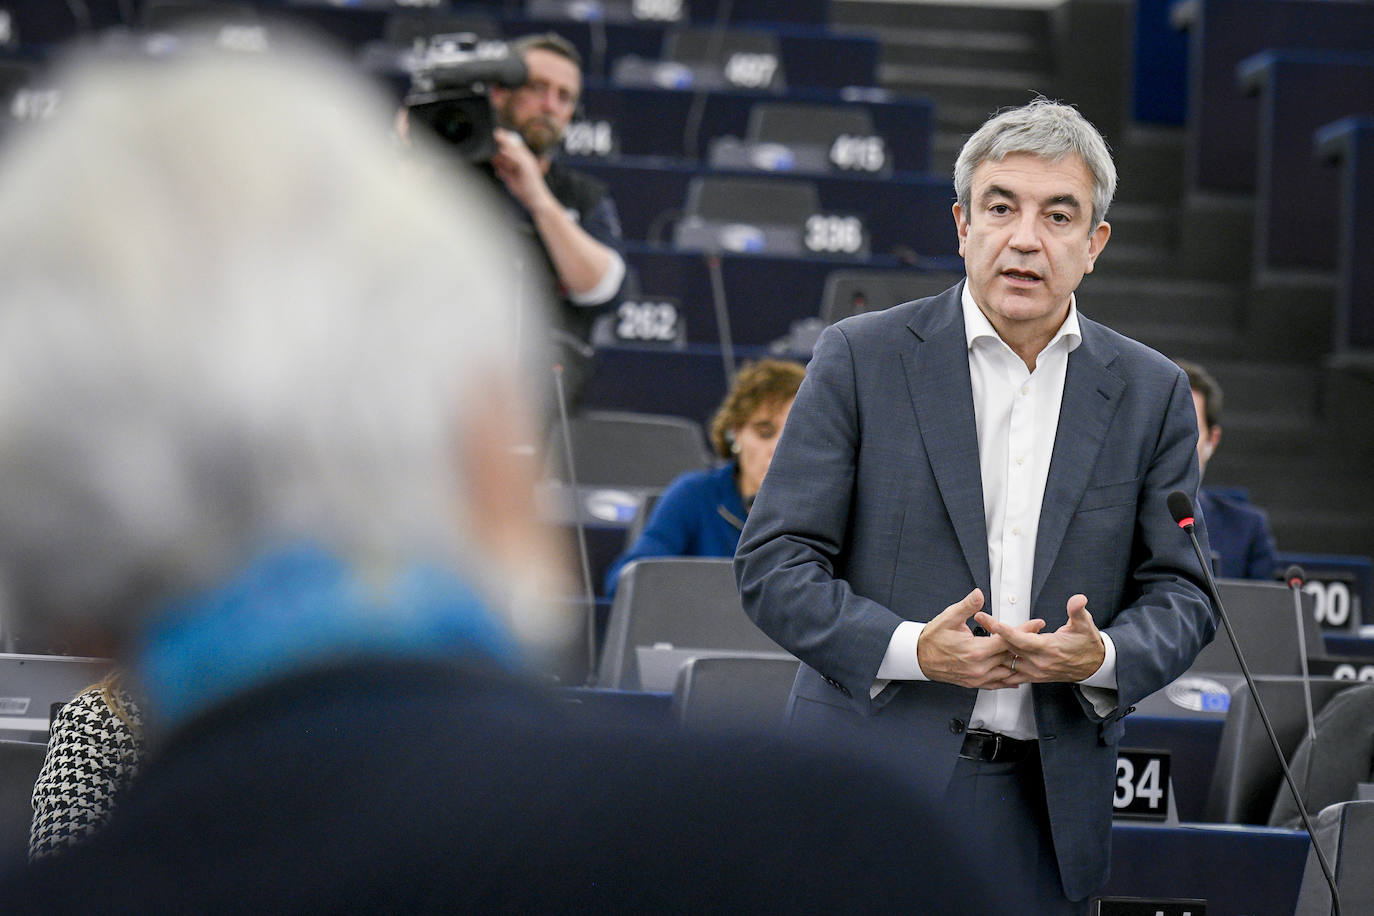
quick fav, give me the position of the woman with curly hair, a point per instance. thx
(701, 513)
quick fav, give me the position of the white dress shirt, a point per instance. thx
(1017, 416)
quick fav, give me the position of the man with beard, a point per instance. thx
(570, 214)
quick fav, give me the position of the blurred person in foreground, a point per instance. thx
(701, 513)
(1238, 531)
(256, 443)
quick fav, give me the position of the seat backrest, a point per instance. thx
(789, 123)
(747, 215)
(624, 449)
(850, 292)
(738, 693)
(403, 29)
(754, 201)
(20, 762)
(1346, 834)
(1262, 615)
(683, 602)
(174, 15)
(1247, 776)
(1330, 770)
(14, 77)
(33, 687)
(35, 24)
(695, 45)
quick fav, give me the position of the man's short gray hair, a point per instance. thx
(1043, 128)
(232, 316)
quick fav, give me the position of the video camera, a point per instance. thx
(449, 85)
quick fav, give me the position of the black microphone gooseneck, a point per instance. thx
(722, 308)
(1295, 576)
(1181, 508)
(588, 594)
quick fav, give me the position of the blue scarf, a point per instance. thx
(302, 607)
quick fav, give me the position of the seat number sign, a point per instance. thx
(858, 154)
(657, 10)
(751, 71)
(1336, 607)
(589, 138)
(1142, 784)
(1342, 668)
(655, 321)
(827, 234)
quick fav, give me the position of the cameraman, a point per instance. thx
(570, 213)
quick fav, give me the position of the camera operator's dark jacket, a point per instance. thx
(590, 204)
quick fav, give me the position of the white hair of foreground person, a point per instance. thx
(232, 315)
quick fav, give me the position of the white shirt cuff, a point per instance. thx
(1100, 686)
(606, 286)
(900, 663)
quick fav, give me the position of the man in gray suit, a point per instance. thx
(963, 534)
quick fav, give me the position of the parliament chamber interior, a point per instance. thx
(777, 167)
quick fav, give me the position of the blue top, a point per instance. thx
(299, 606)
(1239, 534)
(699, 515)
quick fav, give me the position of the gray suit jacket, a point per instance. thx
(872, 513)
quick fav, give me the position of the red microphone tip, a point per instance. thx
(1186, 522)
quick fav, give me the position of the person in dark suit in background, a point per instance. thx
(1242, 542)
(963, 534)
(259, 445)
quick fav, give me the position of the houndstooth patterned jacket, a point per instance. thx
(93, 753)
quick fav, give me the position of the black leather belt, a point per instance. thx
(990, 747)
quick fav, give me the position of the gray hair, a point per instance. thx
(1043, 128)
(232, 316)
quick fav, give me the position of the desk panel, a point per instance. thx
(1237, 870)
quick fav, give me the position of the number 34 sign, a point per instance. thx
(1142, 784)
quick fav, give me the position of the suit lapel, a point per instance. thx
(1091, 396)
(937, 377)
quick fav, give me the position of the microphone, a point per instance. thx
(1295, 576)
(1181, 508)
(722, 308)
(588, 593)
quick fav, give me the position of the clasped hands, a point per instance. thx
(1009, 655)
